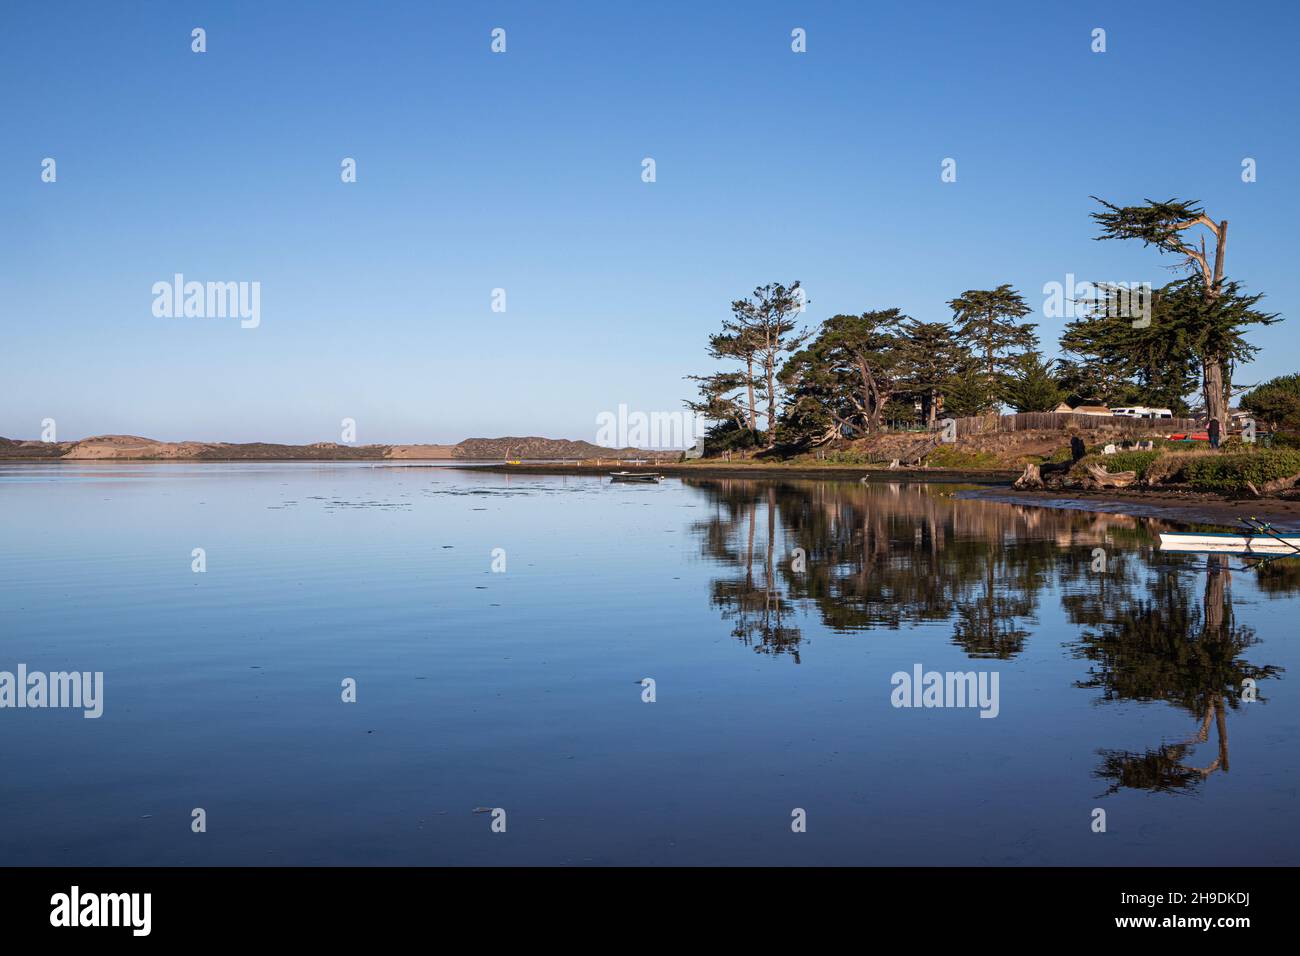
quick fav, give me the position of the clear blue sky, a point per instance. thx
(523, 171)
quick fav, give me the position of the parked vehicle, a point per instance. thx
(1142, 411)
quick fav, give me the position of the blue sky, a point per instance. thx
(522, 171)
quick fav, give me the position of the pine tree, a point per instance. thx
(988, 323)
(930, 357)
(1032, 385)
(766, 322)
(1163, 224)
(966, 393)
(1156, 363)
(1137, 363)
(848, 373)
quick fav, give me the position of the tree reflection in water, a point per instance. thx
(1166, 647)
(890, 555)
(884, 555)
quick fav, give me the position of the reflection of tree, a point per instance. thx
(1166, 647)
(888, 556)
(986, 623)
(884, 555)
(752, 601)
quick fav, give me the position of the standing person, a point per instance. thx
(1214, 433)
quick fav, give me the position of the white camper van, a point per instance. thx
(1142, 411)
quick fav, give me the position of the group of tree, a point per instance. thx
(763, 327)
(853, 374)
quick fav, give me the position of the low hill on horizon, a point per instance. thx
(134, 447)
(534, 448)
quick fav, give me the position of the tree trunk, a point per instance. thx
(1213, 386)
(749, 550)
(882, 399)
(749, 381)
(867, 391)
(1220, 249)
(1214, 392)
(988, 353)
(771, 399)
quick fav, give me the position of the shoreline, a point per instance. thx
(1184, 507)
(1187, 508)
(72, 462)
(542, 467)
(745, 469)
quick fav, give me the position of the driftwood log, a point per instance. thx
(1105, 479)
(1272, 487)
(1030, 479)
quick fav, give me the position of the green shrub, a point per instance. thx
(1137, 461)
(1171, 466)
(1230, 472)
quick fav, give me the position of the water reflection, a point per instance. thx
(888, 556)
(1165, 646)
(753, 599)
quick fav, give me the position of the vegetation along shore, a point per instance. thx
(1143, 399)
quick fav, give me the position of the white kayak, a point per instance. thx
(1230, 543)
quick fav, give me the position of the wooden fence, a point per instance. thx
(1059, 421)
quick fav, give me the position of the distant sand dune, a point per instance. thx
(134, 447)
(438, 452)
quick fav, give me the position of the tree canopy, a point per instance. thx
(1276, 402)
(844, 378)
(1166, 225)
(987, 323)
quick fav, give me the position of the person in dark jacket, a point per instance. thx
(1214, 433)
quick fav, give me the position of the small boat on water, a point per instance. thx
(648, 477)
(1230, 543)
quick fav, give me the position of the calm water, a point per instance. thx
(522, 690)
